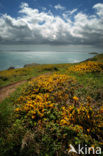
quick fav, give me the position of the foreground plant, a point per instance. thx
(54, 117)
(44, 94)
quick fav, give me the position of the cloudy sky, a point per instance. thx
(52, 22)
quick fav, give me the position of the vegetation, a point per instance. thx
(87, 67)
(98, 58)
(62, 106)
(14, 75)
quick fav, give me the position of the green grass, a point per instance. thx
(7, 122)
(7, 107)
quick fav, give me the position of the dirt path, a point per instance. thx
(7, 90)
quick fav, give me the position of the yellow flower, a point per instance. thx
(33, 117)
(17, 109)
(101, 109)
(63, 122)
(88, 130)
(75, 98)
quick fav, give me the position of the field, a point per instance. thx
(52, 107)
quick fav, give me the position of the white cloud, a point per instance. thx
(99, 8)
(33, 26)
(73, 11)
(59, 7)
(70, 12)
(24, 5)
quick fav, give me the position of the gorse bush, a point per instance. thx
(87, 120)
(43, 94)
(54, 117)
(87, 67)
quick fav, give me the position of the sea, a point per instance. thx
(18, 56)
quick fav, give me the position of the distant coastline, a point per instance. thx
(93, 53)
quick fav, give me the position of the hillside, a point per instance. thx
(51, 107)
(98, 58)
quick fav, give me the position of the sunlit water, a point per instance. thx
(19, 59)
(19, 55)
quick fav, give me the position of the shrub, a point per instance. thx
(55, 117)
(87, 67)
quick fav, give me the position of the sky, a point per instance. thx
(52, 22)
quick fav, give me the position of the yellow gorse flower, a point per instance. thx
(86, 67)
(43, 94)
(75, 98)
(101, 109)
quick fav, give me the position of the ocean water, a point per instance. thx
(17, 56)
(19, 59)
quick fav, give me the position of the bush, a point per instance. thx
(54, 117)
(87, 67)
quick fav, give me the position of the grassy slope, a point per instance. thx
(91, 84)
(98, 58)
